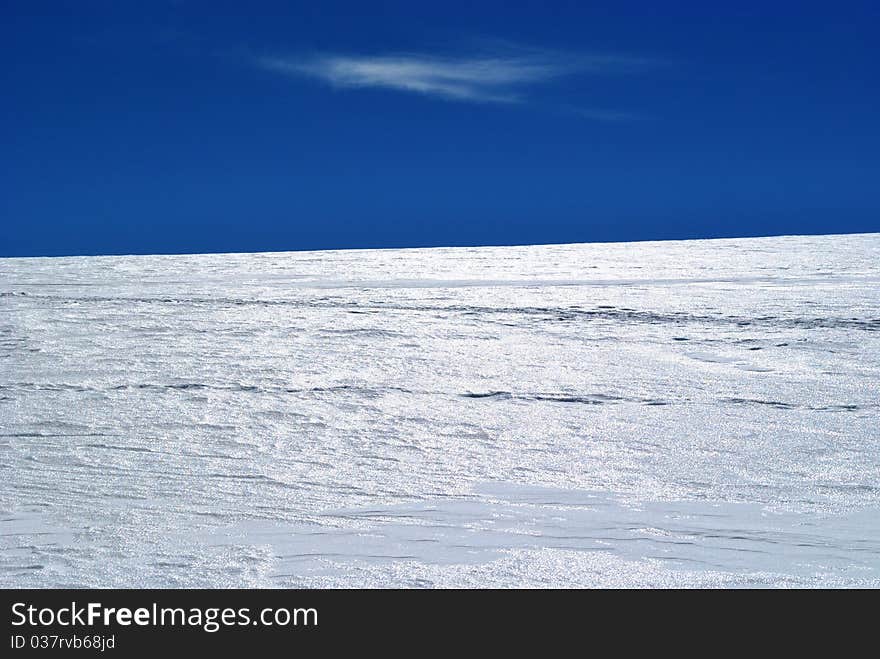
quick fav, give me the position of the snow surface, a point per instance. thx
(701, 413)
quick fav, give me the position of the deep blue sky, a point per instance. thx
(145, 127)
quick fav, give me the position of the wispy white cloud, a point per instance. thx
(495, 78)
(487, 79)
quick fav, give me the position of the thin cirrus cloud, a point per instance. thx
(483, 79)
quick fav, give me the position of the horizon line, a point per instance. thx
(427, 247)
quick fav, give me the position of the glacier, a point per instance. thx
(659, 414)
